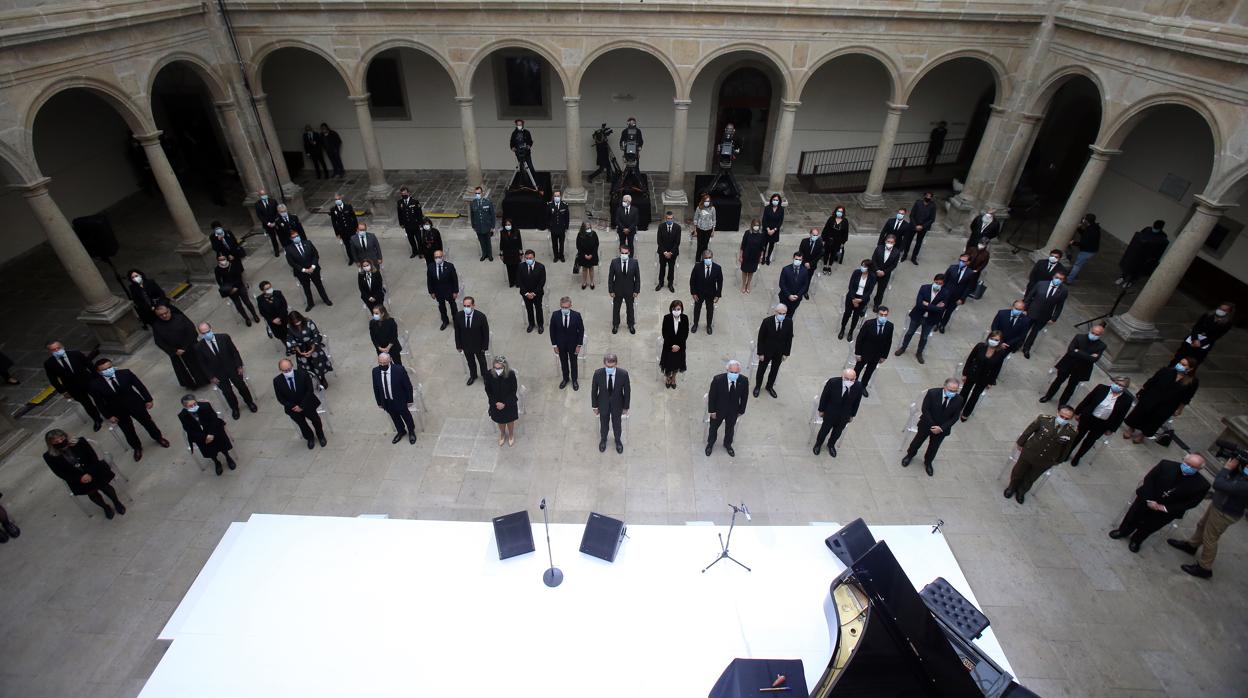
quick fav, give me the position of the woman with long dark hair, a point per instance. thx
(675, 335)
(305, 343)
(75, 462)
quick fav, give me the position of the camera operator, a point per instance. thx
(1230, 496)
(603, 148)
(632, 134)
(521, 144)
(727, 155)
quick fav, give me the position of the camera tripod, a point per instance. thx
(528, 172)
(725, 182)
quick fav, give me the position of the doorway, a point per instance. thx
(745, 101)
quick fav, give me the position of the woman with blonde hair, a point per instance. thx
(75, 462)
(503, 391)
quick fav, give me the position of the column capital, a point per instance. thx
(1030, 118)
(572, 100)
(997, 109)
(39, 187)
(896, 107)
(226, 105)
(260, 98)
(360, 100)
(1102, 153)
(1210, 207)
(148, 139)
(682, 103)
(790, 104)
(463, 101)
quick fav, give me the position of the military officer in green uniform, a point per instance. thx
(1045, 442)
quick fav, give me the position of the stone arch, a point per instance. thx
(885, 61)
(216, 88)
(1231, 187)
(648, 49)
(258, 58)
(757, 51)
(1000, 75)
(137, 118)
(484, 52)
(1114, 132)
(1059, 79)
(361, 68)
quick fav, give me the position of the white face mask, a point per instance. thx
(506, 227)
(268, 291)
(888, 245)
(476, 195)
(624, 256)
(987, 218)
(706, 204)
(676, 313)
(994, 342)
(797, 262)
(901, 216)
(1052, 259)
(775, 202)
(840, 214)
(814, 236)
(426, 227)
(338, 202)
(519, 127)
(138, 279)
(557, 199)
(376, 316)
(367, 268)
(219, 231)
(223, 264)
(1220, 312)
(498, 371)
(289, 374)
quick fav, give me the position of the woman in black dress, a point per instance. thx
(835, 235)
(773, 219)
(176, 335)
(753, 245)
(76, 463)
(586, 254)
(146, 294)
(230, 285)
(1208, 329)
(384, 331)
(675, 334)
(502, 389)
(372, 286)
(206, 430)
(224, 243)
(1163, 396)
(510, 250)
(981, 369)
(304, 342)
(272, 305)
(430, 239)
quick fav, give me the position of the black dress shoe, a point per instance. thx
(253, 407)
(671, 288)
(694, 329)
(12, 529)
(163, 442)
(529, 329)
(563, 383)
(1197, 571)
(905, 461)
(919, 358)
(1133, 546)
(138, 455)
(756, 391)
(1007, 493)
(1045, 398)
(914, 261)
(841, 334)
(479, 260)
(311, 444)
(310, 306)
(710, 330)
(411, 437)
(1116, 534)
(941, 329)
(231, 463)
(247, 320)
(772, 392)
(576, 386)
(328, 302)
(816, 449)
(602, 446)
(850, 338)
(471, 380)
(218, 468)
(900, 351)
(615, 330)
(540, 329)
(322, 441)
(1019, 497)
(234, 414)
(619, 447)
(412, 256)
(397, 438)
(120, 508)
(963, 418)
(659, 287)
(865, 393)
(445, 324)
(1026, 353)
(832, 451)
(1182, 545)
(927, 467)
(108, 512)
(731, 452)
(632, 330)
(709, 448)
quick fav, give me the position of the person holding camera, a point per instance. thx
(632, 134)
(1230, 496)
(521, 143)
(602, 149)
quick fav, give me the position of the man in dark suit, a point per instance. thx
(266, 213)
(902, 231)
(206, 431)
(1044, 269)
(923, 217)
(557, 217)
(224, 365)
(70, 374)
(623, 285)
(811, 250)
(364, 245)
(472, 337)
(123, 399)
(393, 391)
(871, 350)
(567, 334)
(332, 143)
(305, 264)
(983, 228)
(1143, 253)
(285, 224)
(706, 284)
(314, 148)
(1101, 412)
(857, 296)
(443, 284)
(627, 217)
(1164, 495)
(838, 405)
(884, 260)
(1013, 324)
(794, 285)
(960, 280)
(725, 401)
(669, 249)
(929, 308)
(410, 216)
(610, 395)
(295, 390)
(1044, 302)
(775, 341)
(532, 281)
(940, 410)
(342, 217)
(1076, 364)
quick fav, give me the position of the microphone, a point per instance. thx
(746, 511)
(542, 505)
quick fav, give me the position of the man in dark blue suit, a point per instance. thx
(393, 391)
(443, 285)
(960, 280)
(940, 410)
(838, 405)
(567, 334)
(794, 284)
(725, 401)
(294, 389)
(1013, 324)
(929, 308)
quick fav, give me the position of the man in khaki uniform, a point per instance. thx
(1046, 442)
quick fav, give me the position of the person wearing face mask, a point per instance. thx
(502, 390)
(442, 281)
(923, 216)
(230, 284)
(383, 330)
(980, 371)
(510, 249)
(220, 358)
(977, 259)
(1044, 302)
(773, 220)
(1167, 492)
(314, 148)
(610, 394)
(1088, 240)
(1076, 364)
(430, 239)
(472, 337)
(959, 281)
(207, 431)
(838, 405)
(939, 411)
(586, 255)
(483, 216)
(632, 134)
(224, 242)
(174, 334)
(532, 282)
(558, 216)
(344, 221)
(883, 261)
(901, 231)
(835, 234)
(1226, 506)
(929, 307)
(1044, 269)
(1163, 396)
(668, 240)
(273, 308)
(752, 252)
(704, 224)
(411, 215)
(70, 374)
(123, 399)
(623, 285)
(1013, 324)
(266, 214)
(146, 294)
(725, 402)
(392, 389)
(861, 284)
(627, 220)
(75, 462)
(567, 336)
(811, 251)
(332, 143)
(521, 143)
(1208, 329)
(706, 285)
(794, 285)
(1047, 441)
(305, 265)
(773, 344)
(372, 285)
(305, 342)
(287, 224)
(1101, 412)
(872, 347)
(1143, 254)
(984, 227)
(364, 245)
(675, 331)
(295, 390)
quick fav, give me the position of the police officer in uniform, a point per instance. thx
(481, 213)
(342, 217)
(410, 217)
(1047, 441)
(557, 218)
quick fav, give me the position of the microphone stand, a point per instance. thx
(552, 577)
(723, 543)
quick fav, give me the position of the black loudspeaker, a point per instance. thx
(849, 543)
(514, 534)
(96, 235)
(603, 536)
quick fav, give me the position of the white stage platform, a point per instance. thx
(321, 606)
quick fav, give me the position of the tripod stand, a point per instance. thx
(521, 164)
(725, 181)
(1112, 309)
(723, 542)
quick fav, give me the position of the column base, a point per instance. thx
(959, 210)
(1127, 341)
(870, 202)
(380, 204)
(576, 199)
(677, 202)
(199, 259)
(117, 328)
(293, 194)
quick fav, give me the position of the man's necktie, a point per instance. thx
(946, 403)
(213, 344)
(468, 320)
(291, 382)
(113, 383)
(385, 382)
(300, 248)
(65, 363)
(438, 272)
(706, 274)
(565, 322)
(610, 384)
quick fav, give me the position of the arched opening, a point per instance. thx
(1072, 119)
(513, 83)
(412, 102)
(744, 100)
(954, 95)
(623, 83)
(304, 90)
(837, 129)
(193, 140)
(742, 87)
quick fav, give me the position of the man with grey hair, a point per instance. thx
(838, 405)
(940, 410)
(725, 401)
(627, 216)
(609, 395)
(775, 341)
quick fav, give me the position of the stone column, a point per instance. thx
(240, 151)
(1015, 158)
(674, 197)
(873, 197)
(1077, 202)
(574, 194)
(110, 317)
(780, 148)
(195, 249)
(378, 190)
(291, 194)
(965, 205)
(472, 160)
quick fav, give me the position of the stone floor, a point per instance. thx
(1077, 614)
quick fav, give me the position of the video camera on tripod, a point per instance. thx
(727, 149)
(1229, 449)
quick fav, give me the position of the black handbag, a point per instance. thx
(980, 289)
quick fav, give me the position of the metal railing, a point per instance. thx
(843, 169)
